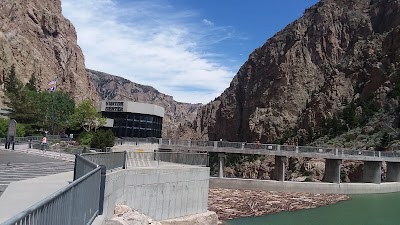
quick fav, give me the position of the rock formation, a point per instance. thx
(178, 116)
(338, 52)
(39, 41)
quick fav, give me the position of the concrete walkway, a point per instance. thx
(20, 195)
(24, 148)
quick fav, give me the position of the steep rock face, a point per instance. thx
(37, 39)
(178, 116)
(338, 52)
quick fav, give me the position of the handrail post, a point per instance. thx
(75, 163)
(102, 188)
(125, 159)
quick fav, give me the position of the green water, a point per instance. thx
(376, 209)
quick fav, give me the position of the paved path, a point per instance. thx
(22, 194)
(24, 163)
(48, 154)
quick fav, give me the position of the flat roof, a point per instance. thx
(131, 107)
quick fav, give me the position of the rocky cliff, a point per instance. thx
(339, 53)
(39, 41)
(178, 116)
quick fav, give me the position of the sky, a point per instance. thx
(189, 49)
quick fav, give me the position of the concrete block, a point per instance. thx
(130, 180)
(138, 201)
(140, 179)
(181, 176)
(393, 171)
(372, 172)
(332, 170)
(206, 187)
(177, 210)
(172, 209)
(153, 188)
(146, 199)
(196, 196)
(163, 178)
(172, 177)
(280, 167)
(188, 176)
(166, 206)
(160, 201)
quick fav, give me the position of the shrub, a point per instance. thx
(85, 138)
(102, 139)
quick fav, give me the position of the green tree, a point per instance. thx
(86, 116)
(12, 85)
(32, 83)
(12, 89)
(56, 110)
(385, 140)
(349, 115)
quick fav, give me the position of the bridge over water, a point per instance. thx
(333, 157)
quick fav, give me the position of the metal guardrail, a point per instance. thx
(131, 140)
(24, 140)
(76, 204)
(80, 201)
(111, 160)
(148, 159)
(82, 166)
(195, 159)
(340, 152)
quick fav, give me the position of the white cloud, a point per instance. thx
(207, 22)
(151, 44)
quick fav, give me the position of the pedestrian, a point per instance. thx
(44, 144)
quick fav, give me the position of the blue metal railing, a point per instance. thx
(75, 204)
(111, 160)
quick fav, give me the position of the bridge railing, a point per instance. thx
(391, 154)
(200, 143)
(188, 158)
(150, 159)
(77, 203)
(310, 149)
(274, 147)
(134, 141)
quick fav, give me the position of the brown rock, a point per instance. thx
(338, 51)
(37, 39)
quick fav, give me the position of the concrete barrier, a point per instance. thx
(306, 187)
(160, 193)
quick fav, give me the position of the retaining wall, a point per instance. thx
(306, 187)
(160, 193)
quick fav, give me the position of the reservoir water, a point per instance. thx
(372, 209)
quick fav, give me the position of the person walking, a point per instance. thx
(44, 144)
